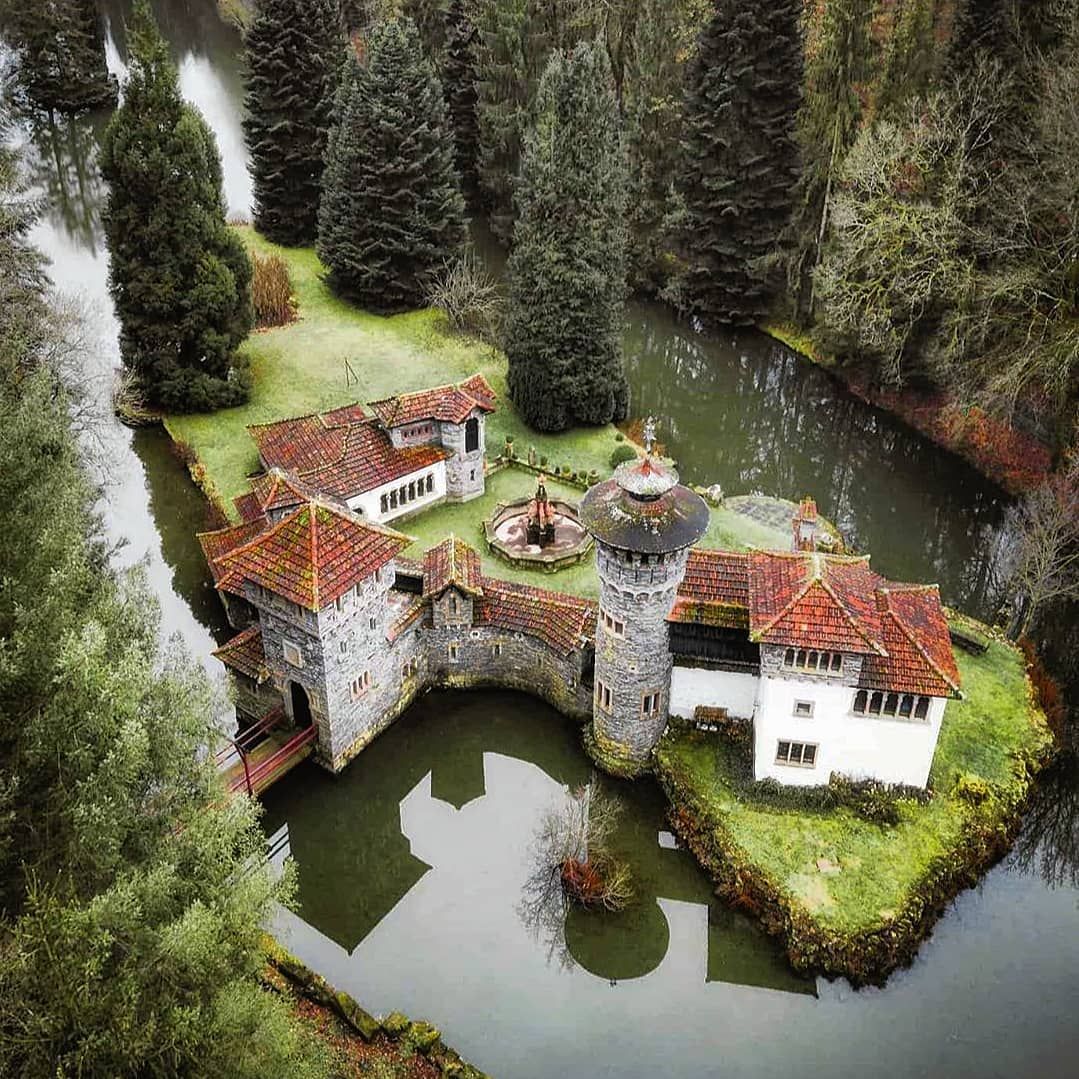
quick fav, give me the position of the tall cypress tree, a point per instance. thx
(459, 83)
(567, 268)
(740, 155)
(294, 49)
(391, 210)
(178, 275)
(61, 53)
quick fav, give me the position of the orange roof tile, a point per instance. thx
(449, 403)
(313, 556)
(452, 562)
(561, 621)
(343, 460)
(215, 545)
(244, 654)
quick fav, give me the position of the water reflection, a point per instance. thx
(742, 410)
(434, 820)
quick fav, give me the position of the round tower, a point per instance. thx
(644, 522)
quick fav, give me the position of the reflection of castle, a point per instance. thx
(838, 669)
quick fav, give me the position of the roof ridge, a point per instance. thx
(314, 559)
(878, 646)
(283, 419)
(561, 599)
(266, 533)
(909, 634)
(797, 597)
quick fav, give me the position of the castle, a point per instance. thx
(837, 669)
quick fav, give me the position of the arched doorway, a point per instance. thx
(301, 706)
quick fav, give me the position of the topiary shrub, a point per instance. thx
(622, 453)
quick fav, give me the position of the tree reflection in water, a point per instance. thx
(1049, 841)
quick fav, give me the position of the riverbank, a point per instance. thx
(847, 892)
(1009, 457)
(393, 1047)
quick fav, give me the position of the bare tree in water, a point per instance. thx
(1047, 561)
(573, 865)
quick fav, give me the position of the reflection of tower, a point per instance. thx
(644, 522)
(804, 524)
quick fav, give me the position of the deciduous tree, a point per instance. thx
(293, 50)
(567, 266)
(178, 275)
(392, 210)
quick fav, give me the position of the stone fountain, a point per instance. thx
(538, 532)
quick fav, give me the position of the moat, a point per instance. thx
(410, 865)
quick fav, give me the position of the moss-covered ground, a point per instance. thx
(851, 876)
(334, 354)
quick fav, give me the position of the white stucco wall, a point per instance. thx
(863, 747)
(691, 686)
(370, 502)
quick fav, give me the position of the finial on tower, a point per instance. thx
(649, 434)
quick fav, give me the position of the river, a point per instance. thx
(411, 866)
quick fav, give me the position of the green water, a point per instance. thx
(411, 864)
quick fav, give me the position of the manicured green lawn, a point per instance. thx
(985, 736)
(335, 354)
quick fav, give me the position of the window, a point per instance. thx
(378, 574)
(472, 436)
(411, 666)
(412, 491)
(342, 601)
(372, 622)
(453, 651)
(293, 654)
(430, 482)
(496, 649)
(804, 709)
(813, 660)
(454, 607)
(471, 474)
(799, 754)
(603, 695)
(649, 704)
(359, 686)
(342, 647)
(393, 500)
(616, 627)
(896, 705)
(383, 503)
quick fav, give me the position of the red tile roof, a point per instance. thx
(561, 621)
(920, 657)
(274, 490)
(313, 556)
(215, 545)
(452, 562)
(343, 460)
(814, 601)
(408, 614)
(715, 590)
(451, 404)
(244, 654)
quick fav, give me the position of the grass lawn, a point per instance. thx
(986, 736)
(301, 368)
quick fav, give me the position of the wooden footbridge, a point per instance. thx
(262, 753)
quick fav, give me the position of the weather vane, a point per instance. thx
(649, 434)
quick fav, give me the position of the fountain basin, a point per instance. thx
(506, 531)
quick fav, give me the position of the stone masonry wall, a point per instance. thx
(638, 591)
(847, 675)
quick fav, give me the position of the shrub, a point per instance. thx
(620, 437)
(622, 453)
(1047, 691)
(972, 789)
(271, 291)
(543, 460)
(468, 296)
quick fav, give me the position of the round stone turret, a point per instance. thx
(644, 522)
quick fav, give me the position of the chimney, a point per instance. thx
(804, 525)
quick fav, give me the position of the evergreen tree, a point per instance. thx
(61, 53)
(459, 82)
(567, 267)
(911, 56)
(294, 49)
(837, 69)
(131, 898)
(740, 155)
(178, 275)
(652, 110)
(429, 17)
(391, 210)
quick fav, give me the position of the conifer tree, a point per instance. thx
(740, 155)
(567, 266)
(391, 210)
(652, 100)
(61, 53)
(459, 83)
(178, 275)
(294, 49)
(911, 57)
(837, 68)
(429, 17)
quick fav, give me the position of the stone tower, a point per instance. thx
(644, 522)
